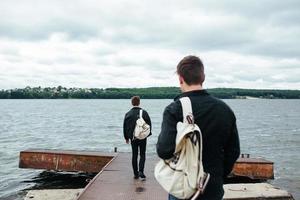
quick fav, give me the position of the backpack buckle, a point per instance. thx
(190, 119)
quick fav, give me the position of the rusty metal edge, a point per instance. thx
(254, 162)
(93, 180)
(109, 155)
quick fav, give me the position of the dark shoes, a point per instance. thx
(142, 176)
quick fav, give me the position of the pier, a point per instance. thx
(115, 179)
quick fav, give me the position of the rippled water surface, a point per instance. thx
(267, 128)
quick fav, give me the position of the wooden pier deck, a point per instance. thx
(116, 182)
(115, 179)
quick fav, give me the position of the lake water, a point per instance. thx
(267, 128)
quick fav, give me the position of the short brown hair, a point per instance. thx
(135, 100)
(191, 69)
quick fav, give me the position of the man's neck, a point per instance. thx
(189, 88)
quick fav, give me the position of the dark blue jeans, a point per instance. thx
(171, 197)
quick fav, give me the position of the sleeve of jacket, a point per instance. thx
(147, 120)
(125, 127)
(166, 143)
(231, 149)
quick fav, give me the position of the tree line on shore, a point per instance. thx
(146, 93)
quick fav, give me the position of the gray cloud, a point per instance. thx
(76, 31)
(138, 43)
(255, 27)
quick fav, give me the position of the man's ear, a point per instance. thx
(181, 80)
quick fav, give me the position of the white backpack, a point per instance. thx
(142, 129)
(182, 176)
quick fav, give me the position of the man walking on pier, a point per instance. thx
(216, 121)
(138, 144)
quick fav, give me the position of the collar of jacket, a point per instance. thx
(136, 107)
(191, 93)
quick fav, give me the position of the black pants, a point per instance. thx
(138, 145)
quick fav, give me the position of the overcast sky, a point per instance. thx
(135, 43)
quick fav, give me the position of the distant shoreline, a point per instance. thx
(145, 93)
(248, 97)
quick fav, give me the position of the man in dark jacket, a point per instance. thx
(216, 121)
(136, 144)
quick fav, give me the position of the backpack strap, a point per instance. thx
(141, 113)
(186, 108)
(187, 112)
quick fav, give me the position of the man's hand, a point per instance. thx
(127, 141)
